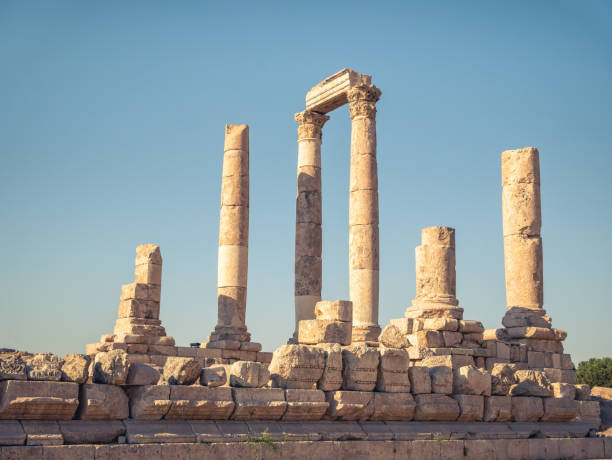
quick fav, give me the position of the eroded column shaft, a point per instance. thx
(522, 221)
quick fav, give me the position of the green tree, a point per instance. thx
(596, 372)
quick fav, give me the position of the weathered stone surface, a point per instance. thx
(392, 337)
(336, 310)
(531, 383)
(467, 327)
(393, 371)
(429, 339)
(441, 379)
(102, 402)
(420, 380)
(349, 405)
(91, 432)
(213, 376)
(559, 409)
(589, 411)
(441, 324)
(142, 374)
(436, 407)
(20, 399)
(502, 378)
(305, 404)
(471, 407)
(583, 392)
(200, 403)
(146, 432)
(314, 331)
(75, 368)
(149, 402)
(453, 361)
(331, 379)
(12, 367)
(393, 406)
(470, 380)
(452, 339)
(259, 403)
(135, 308)
(527, 409)
(563, 390)
(42, 433)
(44, 366)
(360, 367)
(297, 366)
(181, 371)
(110, 367)
(248, 374)
(497, 408)
(11, 433)
(139, 291)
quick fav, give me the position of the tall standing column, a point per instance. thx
(231, 330)
(308, 218)
(363, 213)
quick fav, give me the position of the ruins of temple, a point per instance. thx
(429, 384)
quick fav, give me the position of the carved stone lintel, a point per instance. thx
(310, 124)
(362, 100)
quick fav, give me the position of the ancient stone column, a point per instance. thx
(522, 221)
(363, 213)
(308, 237)
(436, 280)
(231, 330)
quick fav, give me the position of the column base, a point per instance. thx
(434, 310)
(231, 338)
(526, 317)
(367, 333)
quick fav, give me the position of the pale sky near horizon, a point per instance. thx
(111, 135)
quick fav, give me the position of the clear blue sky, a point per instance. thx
(111, 135)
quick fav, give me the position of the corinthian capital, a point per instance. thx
(362, 100)
(310, 124)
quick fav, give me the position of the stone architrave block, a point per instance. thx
(440, 324)
(563, 390)
(393, 371)
(110, 367)
(531, 383)
(75, 368)
(453, 361)
(12, 367)
(314, 331)
(471, 406)
(102, 402)
(559, 409)
(181, 371)
(297, 366)
(41, 400)
(497, 408)
(392, 337)
(470, 380)
(214, 376)
(336, 310)
(248, 374)
(331, 379)
(142, 374)
(436, 407)
(441, 379)
(350, 405)
(44, 366)
(527, 408)
(393, 406)
(259, 403)
(200, 403)
(360, 367)
(420, 380)
(149, 402)
(305, 404)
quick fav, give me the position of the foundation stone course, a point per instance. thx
(38, 400)
(436, 407)
(102, 402)
(360, 367)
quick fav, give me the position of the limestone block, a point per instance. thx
(527, 409)
(495, 334)
(523, 317)
(149, 402)
(589, 411)
(497, 409)
(308, 207)
(502, 378)
(502, 350)
(469, 380)
(436, 407)
(363, 247)
(314, 331)
(12, 367)
(297, 366)
(430, 339)
(90, 431)
(420, 380)
(441, 324)
(360, 367)
(308, 241)
(248, 374)
(214, 376)
(11, 433)
(350, 405)
(393, 371)
(308, 276)
(181, 371)
(44, 366)
(334, 310)
(259, 403)
(148, 273)
(134, 308)
(531, 383)
(467, 327)
(148, 254)
(102, 402)
(559, 409)
(453, 361)
(331, 379)
(363, 207)
(403, 324)
(540, 333)
(139, 291)
(393, 406)
(142, 374)
(452, 339)
(563, 390)
(524, 278)
(41, 400)
(521, 209)
(162, 350)
(42, 433)
(305, 404)
(392, 337)
(566, 362)
(234, 226)
(583, 392)
(235, 190)
(199, 403)
(110, 367)
(75, 368)
(471, 407)
(441, 379)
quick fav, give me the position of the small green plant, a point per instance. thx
(264, 439)
(596, 372)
